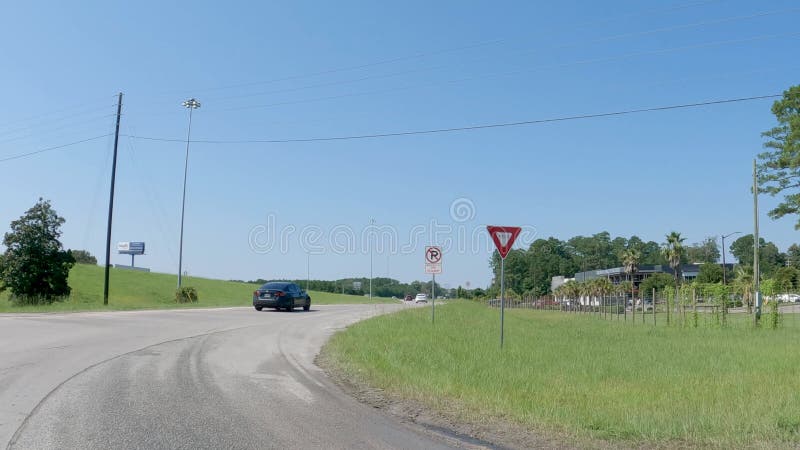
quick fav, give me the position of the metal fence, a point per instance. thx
(663, 309)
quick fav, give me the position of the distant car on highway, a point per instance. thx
(648, 304)
(792, 298)
(281, 295)
(409, 298)
(421, 298)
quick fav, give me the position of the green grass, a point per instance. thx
(147, 290)
(596, 382)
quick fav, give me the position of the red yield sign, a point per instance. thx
(503, 238)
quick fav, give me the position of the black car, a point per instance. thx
(281, 294)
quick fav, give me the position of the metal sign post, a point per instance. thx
(502, 297)
(433, 299)
(433, 265)
(503, 238)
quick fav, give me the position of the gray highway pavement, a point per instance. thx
(215, 378)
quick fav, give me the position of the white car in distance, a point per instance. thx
(789, 298)
(421, 298)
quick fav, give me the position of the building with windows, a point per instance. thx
(617, 274)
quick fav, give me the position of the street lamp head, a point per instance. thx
(191, 103)
(731, 234)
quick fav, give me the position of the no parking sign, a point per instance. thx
(433, 259)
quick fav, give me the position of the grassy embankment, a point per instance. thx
(584, 379)
(143, 290)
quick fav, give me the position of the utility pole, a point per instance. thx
(372, 225)
(756, 271)
(111, 201)
(724, 267)
(191, 104)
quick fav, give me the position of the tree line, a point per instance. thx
(528, 272)
(381, 287)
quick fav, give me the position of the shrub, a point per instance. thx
(35, 267)
(774, 315)
(186, 294)
(83, 257)
(25, 300)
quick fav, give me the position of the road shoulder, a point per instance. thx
(487, 433)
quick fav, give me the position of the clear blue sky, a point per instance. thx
(283, 70)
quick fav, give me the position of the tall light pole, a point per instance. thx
(724, 267)
(371, 249)
(191, 104)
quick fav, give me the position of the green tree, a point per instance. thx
(657, 281)
(673, 252)
(744, 284)
(517, 270)
(83, 257)
(630, 261)
(793, 256)
(769, 257)
(600, 287)
(704, 252)
(787, 278)
(650, 250)
(594, 252)
(619, 245)
(548, 258)
(35, 267)
(710, 273)
(779, 167)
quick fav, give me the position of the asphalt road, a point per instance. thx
(194, 379)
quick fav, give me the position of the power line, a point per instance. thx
(424, 54)
(154, 201)
(50, 120)
(36, 152)
(51, 130)
(357, 67)
(465, 128)
(524, 51)
(524, 70)
(410, 133)
(727, 74)
(455, 49)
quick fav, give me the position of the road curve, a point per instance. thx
(214, 378)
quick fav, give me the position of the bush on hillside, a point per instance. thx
(186, 294)
(83, 257)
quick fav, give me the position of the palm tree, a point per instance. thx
(744, 284)
(630, 259)
(562, 292)
(602, 288)
(585, 291)
(568, 291)
(673, 251)
(622, 290)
